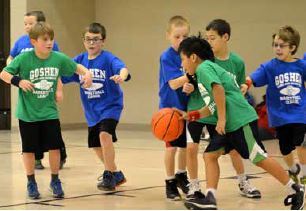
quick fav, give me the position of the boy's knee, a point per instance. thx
(192, 147)
(211, 156)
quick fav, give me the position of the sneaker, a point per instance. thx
(107, 181)
(119, 177)
(182, 181)
(62, 163)
(56, 188)
(295, 175)
(33, 190)
(247, 190)
(172, 191)
(38, 165)
(296, 200)
(303, 180)
(198, 201)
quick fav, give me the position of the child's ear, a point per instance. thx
(193, 57)
(33, 41)
(292, 48)
(226, 36)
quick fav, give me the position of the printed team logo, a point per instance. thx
(290, 91)
(43, 85)
(204, 94)
(95, 86)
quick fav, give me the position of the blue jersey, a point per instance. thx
(104, 99)
(286, 96)
(170, 68)
(23, 44)
(304, 56)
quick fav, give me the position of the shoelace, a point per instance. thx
(247, 186)
(193, 187)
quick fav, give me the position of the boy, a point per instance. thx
(23, 44)
(36, 109)
(103, 102)
(217, 34)
(171, 82)
(285, 76)
(224, 100)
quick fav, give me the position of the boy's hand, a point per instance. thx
(26, 86)
(244, 88)
(188, 88)
(59, 96)
(182, 113)
(220, 127)
(86, 80)
(117, 79)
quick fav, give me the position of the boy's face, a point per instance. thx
(93, 43)
(29, 22)
(216, 41)
(282, 50)
(43, 44)
(189, 64)
(177, 34)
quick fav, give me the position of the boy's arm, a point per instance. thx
(123, 76)
(59, 95)
(9, 59)
(25, 85)
(87, 78)
(178, 82)
(219, 98)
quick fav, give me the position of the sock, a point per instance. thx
(54, 177)
(303, 168)
(212, 190)
(31, 178)
(194, 185)
(289, 186)
(293, 168)
(241, 177)
(170, 177)
(179, 171)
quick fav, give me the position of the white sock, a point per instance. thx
(179, 171)
(241, 177)
(303, 168)
(293, 168)
(194, 185)
(170, 177)
(289, 186)
(212, 190)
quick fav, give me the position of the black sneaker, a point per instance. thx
(119, 177)
(107, 181)
(198, 201)
(182, 181)
(172, 191)
(295, 175)
(296, 200)
(38, 165)
(247, 190)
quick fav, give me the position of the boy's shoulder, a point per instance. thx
(236, 57)
(168, 53)
(23, 38)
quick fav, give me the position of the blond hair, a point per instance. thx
(177, 21)
(40, 29)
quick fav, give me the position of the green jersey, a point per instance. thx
(238, 111)
(40, 104)
(234, 65)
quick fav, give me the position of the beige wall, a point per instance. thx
(136, 33)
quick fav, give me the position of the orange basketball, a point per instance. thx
(166, 124)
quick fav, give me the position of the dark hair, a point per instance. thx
(198, 46)
(290, 35)
(40, 16)
(40, 29)
(220, 26)
(96, 28)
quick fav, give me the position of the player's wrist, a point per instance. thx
(248, 82)
(15, 80)
(193, 115)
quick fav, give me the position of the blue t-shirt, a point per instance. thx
(170, 68)
(286, 95)
(104, 99)
(23, 44)
(304, 56)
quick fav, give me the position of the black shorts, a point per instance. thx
(41, 135)
(195, 130)
(290, 136)
(105, 125)
(180, 142)
(244, 140)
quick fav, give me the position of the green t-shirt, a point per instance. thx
(40, 104)
(235, 66)
(238, 111)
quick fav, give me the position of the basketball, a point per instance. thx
(167, 125)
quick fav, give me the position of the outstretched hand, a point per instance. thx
(117, 79)
(26, 86)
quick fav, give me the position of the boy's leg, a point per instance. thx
(108, 151)
(39, 155)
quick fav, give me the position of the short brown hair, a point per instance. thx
(96, 28)
(40, 16)
(177, 21)
(40, 29)
(290, 35)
